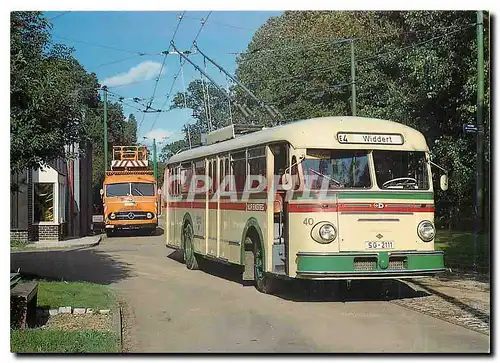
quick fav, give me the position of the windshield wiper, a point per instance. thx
(327, 177)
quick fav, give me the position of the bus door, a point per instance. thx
(280, 240)
(211, 225)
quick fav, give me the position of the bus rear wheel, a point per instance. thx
(263, 283)
(189, 255)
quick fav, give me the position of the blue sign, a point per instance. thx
(470, 128)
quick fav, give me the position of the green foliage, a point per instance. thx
(59, 341)
(459, 251)
(171, 149)
(50, 93)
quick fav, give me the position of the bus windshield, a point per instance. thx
(334, 169)
(401, 169)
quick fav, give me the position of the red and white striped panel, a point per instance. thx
(129, 163)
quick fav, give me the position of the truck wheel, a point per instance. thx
(189, 255)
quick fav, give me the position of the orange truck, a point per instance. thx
(130, 193)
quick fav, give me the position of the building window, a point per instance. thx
(44, 202)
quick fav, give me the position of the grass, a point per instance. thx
(459, 250)
(60, 341)
(74, 294)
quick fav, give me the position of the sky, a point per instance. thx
(124, 50)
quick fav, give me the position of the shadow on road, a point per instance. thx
(314, 291)
(85, 264)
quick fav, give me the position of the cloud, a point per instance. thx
(142, 72)
(159, 134)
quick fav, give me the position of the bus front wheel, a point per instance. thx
(262, 281)
(189, 255)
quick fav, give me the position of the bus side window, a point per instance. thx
(280, 152)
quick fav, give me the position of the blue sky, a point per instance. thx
(109, 44)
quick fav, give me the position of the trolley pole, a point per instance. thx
(155, 168)
(478, 228)
(353, 80)
(105, 97)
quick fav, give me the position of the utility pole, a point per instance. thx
(353, 80)
(105, 91)
(155, 168)
(478, 228)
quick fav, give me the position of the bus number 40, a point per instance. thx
(308, 221)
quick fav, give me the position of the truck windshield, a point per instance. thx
(143, 189)
(118, 190)
(401, 169)
(333, 169)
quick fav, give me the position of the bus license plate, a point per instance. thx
(376, 245)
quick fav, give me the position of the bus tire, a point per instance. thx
(263, 283)
(109, 233)
(190, 257)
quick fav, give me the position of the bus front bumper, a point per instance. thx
(362, 265)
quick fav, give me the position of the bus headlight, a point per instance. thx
(149, 215)
(112, 216)
(426, 231)
(324, 232)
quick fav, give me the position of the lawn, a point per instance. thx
(459, 250)
(53, 294)
(52, 339)
(60, 341)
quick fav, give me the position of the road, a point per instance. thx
(172, 309)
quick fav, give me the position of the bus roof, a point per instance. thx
(322, 133)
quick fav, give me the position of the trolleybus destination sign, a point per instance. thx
(371, 138)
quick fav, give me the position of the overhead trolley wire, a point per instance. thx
(161, 69)
(162, 108)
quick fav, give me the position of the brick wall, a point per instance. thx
(19, 235)
(43, 232)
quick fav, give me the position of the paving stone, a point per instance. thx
(90, 311)
(104, 311)
(65, 310)
(53, 312)
(79, 311)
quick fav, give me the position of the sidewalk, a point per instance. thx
(88, 241)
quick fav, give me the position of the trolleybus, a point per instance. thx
(324, 198)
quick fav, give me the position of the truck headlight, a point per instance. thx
(149, 215)
(426, 231)
(112, 216)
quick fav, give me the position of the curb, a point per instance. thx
(58, 245)
(117, 325)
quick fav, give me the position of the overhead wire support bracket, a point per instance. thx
(261, 103)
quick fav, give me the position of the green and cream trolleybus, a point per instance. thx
(323, 198)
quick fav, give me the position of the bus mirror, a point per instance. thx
(444, 182)
(159, 191)
(101, 192)
(286, 181)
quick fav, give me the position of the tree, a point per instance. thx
(171, 149)
(417, 68)
(50, 94)
(130, 130)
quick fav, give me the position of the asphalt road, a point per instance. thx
(172, 309)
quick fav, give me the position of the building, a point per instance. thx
(53, 203)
